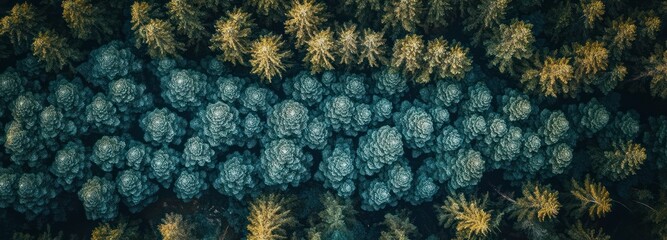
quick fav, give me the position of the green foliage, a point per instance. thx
(269, 215)
(591, 197)
(509, 44)
(439, 12)
(303, 19)
(232, 35)
(620, 35)
(269, 8)
(469, 217)
(621, 161)
(53, 50)
(590, 59)
(188, 19)
(85, 20)
(442, 60)
(577, 231)
(402, 14)
(337, 217)
(372, 49)
(483, 17)
(656, 69)
(21, 24)
(537, 203)
(320, 51)
(174, 227)
(398, 226)
(267, 57)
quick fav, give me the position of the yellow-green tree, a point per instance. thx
(509, 44)
(398, 227)
(85, 20)
(439, 12)
(303, 19)
(372, 49)
(434, 59)
(231, 37)
(552, 78)
(267, 57)
(118, 231)
(649, 25)
(592, 11)
(469, 217)
(158, 35)
(347, 44)
(53, 50)
(188, 19)
(484, 17)
(656, 70)
(174, 227)
(591, 197)
(578, 231)
(402, 14)
(590, 59)
(457, 63)
(320, 51)
(621, 161)
(269, 216)
(407, 56)
(271, 9)
(21, 24)
(620, 35)
(537, 203)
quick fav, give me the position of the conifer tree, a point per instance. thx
(372, 49)
(303, 19)
(320, 51)
(231, 37)
(267, 57)
(53, 50)
(269, 216)
(402, 14)
(85, 20)
(21, 24)
(591, 197)
(509, 44)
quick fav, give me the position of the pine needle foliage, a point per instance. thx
(578, 231)
(269, 215)
(158, 35)
(553, 77)
(320, 51)
(398, 227)
(402, 14)
(303, 19)
(592, 11)
(174, 227)
(372, 49)
(621, 161)
(407, 56)
(85, 20)
(267, 57)
(54, 51)
(468, 216)
(347, 44)
(537, 203)
(21, 24)
(188, 19)
(510, 44)
(231, 37)
(591, 197)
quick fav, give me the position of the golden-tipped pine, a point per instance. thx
(174, 227)
(434, 59)
(267, 57)
(231, 37)
(469, 217)
(407, 56)
(591, 197)
(621, 161)
(85, 20)
(402, 14)
(398, 227)
(53, 50)
(372, 49)
(320, 51)
(159, 38)
(188, 19)
(553, 77)
(537, 203)
(303, 19)
(269, 216)
(347, 44)
(21, 24)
